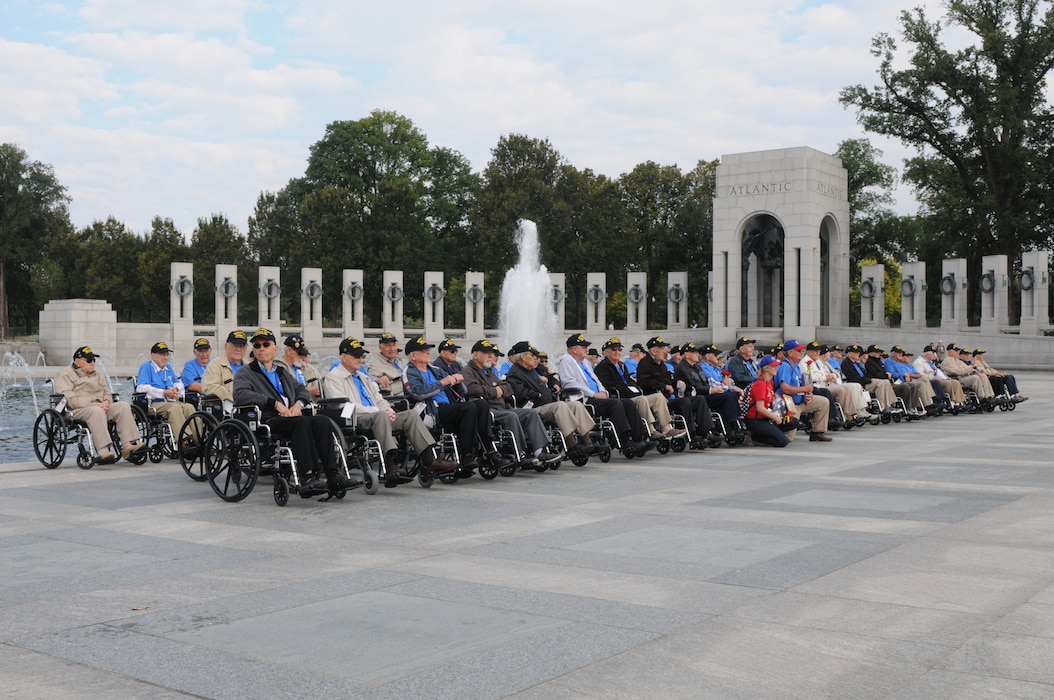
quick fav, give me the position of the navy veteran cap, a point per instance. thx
(387, 337)
(612, 343)
(263, 333)
(657, 342)
(448, 344)
(84, 352)
(522, 347)
(415, 344)
(160, 348)
(744, 341)
(578, 339)
(352, 346)
(202, 344)
(484, 346)
(237, 338)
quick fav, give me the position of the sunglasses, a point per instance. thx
(262, 344)
(90, 362)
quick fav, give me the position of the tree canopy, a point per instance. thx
(978, 118)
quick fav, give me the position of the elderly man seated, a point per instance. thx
(88, 398)
(850, 397)
(701, 374)
(578, 376)
(296, 359)
(446, 402)
(386, 370)
(653, 409)
(913, 387)
(1001, 381)
(164, 390)
(373, 413)
(742, 366)
(854, 369)
(534, 390)
(482, 381)
(972, 378)
(218, 379)
(282, 399)
(926, 365)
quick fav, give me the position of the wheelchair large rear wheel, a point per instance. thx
(50, 438)
(192, 460)
(232, 460)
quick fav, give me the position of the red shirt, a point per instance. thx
(760, 390)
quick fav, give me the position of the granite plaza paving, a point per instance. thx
(901, 561)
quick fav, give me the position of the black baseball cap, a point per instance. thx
(237, 338)
(84, 352)
(578, 339)
(657, 342)
(448, 344)
(352, 346)
(264, 333)
(522, 347)
(160, 348)
(612, 343)
(202, 344)
(415, 344)
(744, 341)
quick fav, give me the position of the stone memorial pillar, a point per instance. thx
(1035, 284)
(475, 307)
(226, 302)
(913, 295)
(435, 293)
(392, 314)
(995, 293)
(557, 297)
(311, 307)
(596, 305)
(351, 312)
(677, 300)
(182, 306)
(952, 289)
(873, 295)
(269, 312)
(637, 301)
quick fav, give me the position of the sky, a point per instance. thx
(189, 108)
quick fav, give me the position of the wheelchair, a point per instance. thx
(603, 435)
(365, 451)
(160, 443)
(55, 430)
(732, 437)
(242, 448)
(195, 432)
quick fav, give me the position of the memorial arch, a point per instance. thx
(781, 245)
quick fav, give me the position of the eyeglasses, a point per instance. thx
(90, 362)
(262, 344)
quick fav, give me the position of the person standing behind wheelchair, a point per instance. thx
(89, 399)
(164, 390)
(281, 399)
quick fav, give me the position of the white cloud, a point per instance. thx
(181, 109)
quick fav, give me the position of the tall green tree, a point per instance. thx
(978, 118)
(111, 255)
(216, 241)
(32, 204)
(163, 245)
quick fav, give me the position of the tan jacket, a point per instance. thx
(382, 367)
(954, 367)
(340, 383)
(80, 388)
(218, 379)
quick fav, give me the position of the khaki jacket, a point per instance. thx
(382, 367)
(80, 388)
(218, 379)
(340, 383)
(955, 368)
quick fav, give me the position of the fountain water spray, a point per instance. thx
(526, 312)
(16, 366)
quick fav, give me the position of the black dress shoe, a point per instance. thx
(819, 437)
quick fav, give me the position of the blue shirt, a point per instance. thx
(898, 370)
(591, 379)
(364, 395)
(712, 373)
(835, 363)
(276, 382)
(789, 373)
(441, 397)
(157, 378)
(192, 372)
(631, 365)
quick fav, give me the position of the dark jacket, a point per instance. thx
(875, 368)
(252, 387)
(418, 388)
(618, 383)
(653, 376)
(694, 377)
(851, 373)
(737, 368)
(484, 384)
(528, 386)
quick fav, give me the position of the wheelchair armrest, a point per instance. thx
(330, 403)
(400, 404)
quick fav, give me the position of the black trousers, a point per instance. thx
(623, 415)
(696, 412)
(471, 421)
(311, 439)
(727, 404)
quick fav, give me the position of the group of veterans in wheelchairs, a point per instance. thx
(229, 421)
